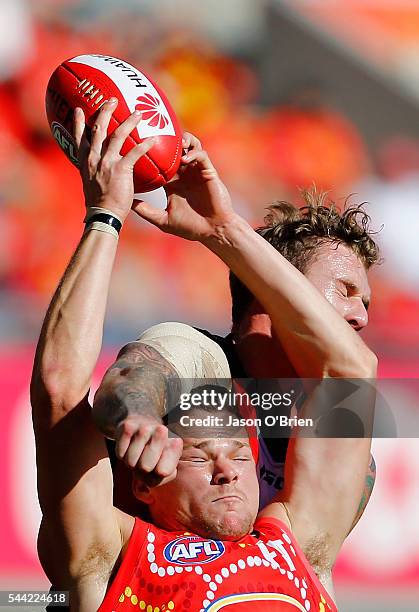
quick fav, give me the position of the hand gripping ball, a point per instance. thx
(87, 81)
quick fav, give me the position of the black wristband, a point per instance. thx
(105, 218)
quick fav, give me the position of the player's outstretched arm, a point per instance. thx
(80, 537)
(200, 209)
(325, 468)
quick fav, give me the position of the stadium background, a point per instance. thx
(282, 93)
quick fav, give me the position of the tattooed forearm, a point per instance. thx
(137, 383)
(366, 494)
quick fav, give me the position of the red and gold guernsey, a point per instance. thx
(265, 571)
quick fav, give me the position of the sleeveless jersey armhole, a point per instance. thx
(271, 525)
(128, 566)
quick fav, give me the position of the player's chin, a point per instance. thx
(236, 527)
(233, 524)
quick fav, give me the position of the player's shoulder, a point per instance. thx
(192, 352)
(273, 519)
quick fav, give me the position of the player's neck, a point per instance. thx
(260, 353)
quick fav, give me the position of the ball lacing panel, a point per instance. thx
(91, 91)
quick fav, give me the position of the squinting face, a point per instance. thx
(215, 493)
(341, 277)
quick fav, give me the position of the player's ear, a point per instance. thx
(141, 491)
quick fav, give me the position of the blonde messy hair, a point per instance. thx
(298, 232)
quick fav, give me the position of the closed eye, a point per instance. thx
(242, 458)
(194, 459)
(351, 290)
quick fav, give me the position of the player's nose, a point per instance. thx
(357, 316)
(224, 472)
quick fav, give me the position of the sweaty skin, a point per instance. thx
(82, 535)
(215, 493)
(341, 277)
(335, 271)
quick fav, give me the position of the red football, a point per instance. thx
(87, 81)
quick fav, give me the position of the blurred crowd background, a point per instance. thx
(282, 94)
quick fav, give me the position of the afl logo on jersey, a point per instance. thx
(191, 550)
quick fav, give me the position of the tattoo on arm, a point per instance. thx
(137, 383)
(366, 494)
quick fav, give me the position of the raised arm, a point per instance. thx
(80, 537)
(200, 209)
(325, 476)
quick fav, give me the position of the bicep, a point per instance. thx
(367, 491)
(75, 494)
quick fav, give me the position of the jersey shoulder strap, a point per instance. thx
(227, 346)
